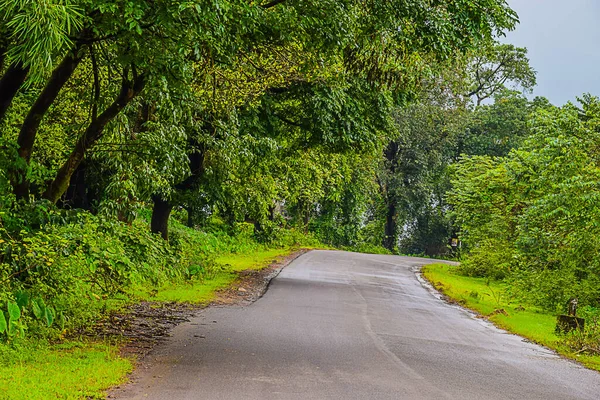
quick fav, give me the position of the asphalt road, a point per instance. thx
(336, 325)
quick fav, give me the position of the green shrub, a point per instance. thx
(368, 249)
(85, 266)
(490, 259)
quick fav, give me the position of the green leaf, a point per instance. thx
(61, 320)
(14, 311)
(22, 299)
(12, 328)
(49, 316)
(3, 325)
(38, 311)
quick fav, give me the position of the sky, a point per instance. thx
(563, 39)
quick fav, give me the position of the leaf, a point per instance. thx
(42, 304)
(61, 320)
(22, 299)
(49, 316)
(3, 325)
(14, 311)
(12, 328)
(38, 311)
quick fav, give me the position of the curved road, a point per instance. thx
(337, 325)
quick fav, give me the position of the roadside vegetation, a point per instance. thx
(67, 360)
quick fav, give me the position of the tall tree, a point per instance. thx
(497, 66)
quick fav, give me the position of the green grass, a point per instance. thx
(489, 297)
(256, 260)
(195, 292)
(227, 266)
(73, 370)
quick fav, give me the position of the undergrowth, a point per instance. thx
(62, 270)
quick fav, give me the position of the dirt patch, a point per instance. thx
(146, 324)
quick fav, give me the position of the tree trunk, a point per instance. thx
(10, 83)
(389, 241)
(272, 210)
(160, 216)
(306, 217)
(91, 135)
(162, 209)
(77, 196)
(196, 165)
(31, 124)
(391, 153)
(190, 217)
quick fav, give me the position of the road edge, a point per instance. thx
(137, 359)
(427, 284)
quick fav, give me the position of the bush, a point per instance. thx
(489, 260)
(85, 265)
(588, 340)
(532, 216)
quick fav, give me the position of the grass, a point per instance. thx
(78, 370)
(491, 300)
(227, 266)
(73, 370)
(256, 260)
(195, 292)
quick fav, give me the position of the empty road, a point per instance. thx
(337, 325)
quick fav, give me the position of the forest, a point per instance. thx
(138, 139)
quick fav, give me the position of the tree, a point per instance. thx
(532, 215)
(415, 205)
(495, 129)
(34, 34)
(323, 104)
(315, 77)
(413, 178)
(497, 66)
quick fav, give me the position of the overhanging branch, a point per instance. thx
(272, 4)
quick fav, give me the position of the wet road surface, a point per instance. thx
(337, 325)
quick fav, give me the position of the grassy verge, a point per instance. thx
(77, 370)
(490, 299)
(72, 370)
(225, 273)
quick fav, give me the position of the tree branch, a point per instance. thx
(96, 96)
(272, 4)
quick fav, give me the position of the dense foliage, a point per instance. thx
(531, 216)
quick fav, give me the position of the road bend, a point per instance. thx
(339, 325)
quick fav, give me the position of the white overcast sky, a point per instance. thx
(563, 39)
